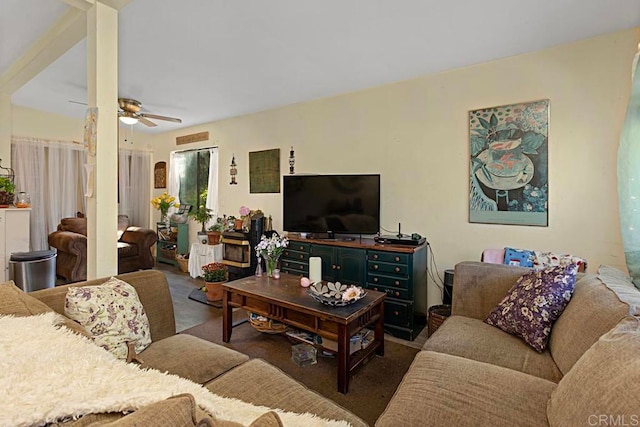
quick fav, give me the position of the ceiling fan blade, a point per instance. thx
(146, 122)
(154, 116)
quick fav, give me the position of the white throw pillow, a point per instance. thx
(112, 314)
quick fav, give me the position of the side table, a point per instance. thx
(200, 255)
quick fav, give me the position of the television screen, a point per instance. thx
(347, 204)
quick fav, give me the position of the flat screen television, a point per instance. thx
(343, 204)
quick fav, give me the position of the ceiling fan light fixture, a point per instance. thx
(128, 120)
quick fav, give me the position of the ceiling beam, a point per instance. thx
(86, 4)
(80, 4)
(68, 30)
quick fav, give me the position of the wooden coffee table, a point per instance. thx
(286, 301)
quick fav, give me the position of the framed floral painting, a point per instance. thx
(509, 179)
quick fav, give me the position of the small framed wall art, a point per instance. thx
(264, 171)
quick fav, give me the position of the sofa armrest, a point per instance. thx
(478, 287)
(152, 288)
(69, 242)
(141, 237)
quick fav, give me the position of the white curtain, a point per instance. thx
(212, 185)
(629, 177)
(51, 172)
(135, 186)
(176, 170)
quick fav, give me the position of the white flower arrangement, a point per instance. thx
(271, 248)
(351, 293)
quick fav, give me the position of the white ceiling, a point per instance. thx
(206, 60)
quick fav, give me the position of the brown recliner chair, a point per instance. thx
(134, 248)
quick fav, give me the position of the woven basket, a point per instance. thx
(266, 325)
(437, 315)
(183, 264)
(168, 253)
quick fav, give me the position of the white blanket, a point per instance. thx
(49, 373)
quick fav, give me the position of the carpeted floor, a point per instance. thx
(371, 386)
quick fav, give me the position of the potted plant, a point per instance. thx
(7, 191)
(215, 231)
(214, 275)
(202, 215)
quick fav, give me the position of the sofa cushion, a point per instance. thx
(594, 309)
(112, 313)
(202, 362)
(179, 410)
(518, 257)
(14, 300)
(534, 303)
(75, 225)
(604, 382)
(474, 339)
(441, 390)
(272, 388)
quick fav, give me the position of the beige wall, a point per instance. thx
(415, 134)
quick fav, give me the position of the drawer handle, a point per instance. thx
(375, 289)
(375, 266)
(286, 253)
(338, 267)
(375, 256)
(397, 269)
(333, 266)
(301, 256)
(396, 293)
(396, 283)
(286, 264)
(397, 258)
(396, 313)
(375, 280)
(302, 248)
(301, 267)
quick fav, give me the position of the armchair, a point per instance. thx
(70, 239)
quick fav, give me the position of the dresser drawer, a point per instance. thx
(398, 313)
(394, 282)
(299, 247)
(290, 266)
(383, 267)
(391, 292)
(388, 257)
(295, 255)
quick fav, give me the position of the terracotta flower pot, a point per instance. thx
(214, 237)
(214, 291)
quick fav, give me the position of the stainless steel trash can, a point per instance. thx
(32, 271)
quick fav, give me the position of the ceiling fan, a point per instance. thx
(130, 113)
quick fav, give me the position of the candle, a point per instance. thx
(315, 269)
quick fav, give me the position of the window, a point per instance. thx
(192, 172)
(195, 178)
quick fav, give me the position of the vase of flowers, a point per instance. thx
(214, 275)
(163, 202)
(271, 248)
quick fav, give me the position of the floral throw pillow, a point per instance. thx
(112, 314)
(534, 303)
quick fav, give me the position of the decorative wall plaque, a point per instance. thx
(160, 175)
(194, 137)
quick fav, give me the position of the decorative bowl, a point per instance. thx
(331, 293)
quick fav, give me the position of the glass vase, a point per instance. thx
(272, 264)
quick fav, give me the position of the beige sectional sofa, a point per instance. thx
(221, 370)
(472, 374)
